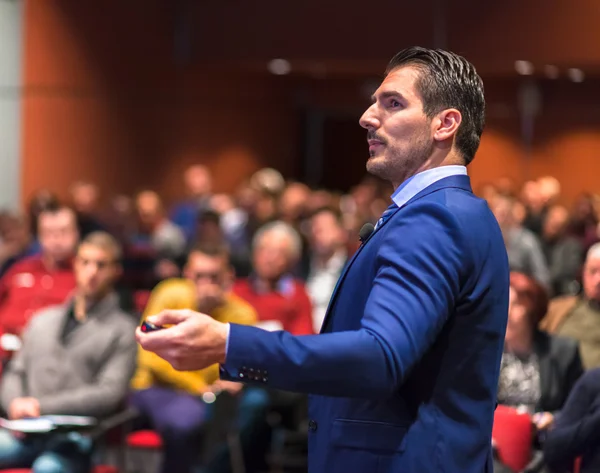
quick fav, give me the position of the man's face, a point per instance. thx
(198, 181)
(272, 256)
(149, 209)
(555, 222)
(591, 279)
(400, 135)
(95, 270)
(326, 234)
(85, 198)
(58, 234)
(212, 278)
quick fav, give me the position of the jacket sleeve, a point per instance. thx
(420, 261)
(102, 396)
(576, 427)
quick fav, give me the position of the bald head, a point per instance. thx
(591, 273)
(198, 180)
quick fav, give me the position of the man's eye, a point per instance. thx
(394, 103)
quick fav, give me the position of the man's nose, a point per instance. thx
(369, 119)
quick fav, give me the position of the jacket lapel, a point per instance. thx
(458, 181)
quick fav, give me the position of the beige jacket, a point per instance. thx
(558, 310)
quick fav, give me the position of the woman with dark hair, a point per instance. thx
(538, 370)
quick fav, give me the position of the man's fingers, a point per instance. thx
(170, 317)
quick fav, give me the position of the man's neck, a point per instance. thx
(52, 264)
(436, 160)
(84, 303)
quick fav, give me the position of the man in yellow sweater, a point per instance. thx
(172, 400)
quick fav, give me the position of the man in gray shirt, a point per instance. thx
(76, 359)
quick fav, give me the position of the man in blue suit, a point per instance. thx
(403, 376)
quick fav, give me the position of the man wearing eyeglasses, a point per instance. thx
(173, 402)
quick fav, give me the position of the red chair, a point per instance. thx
(144, 449)
(144, 439)
(512, 434)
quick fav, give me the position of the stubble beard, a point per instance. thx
(395, 165)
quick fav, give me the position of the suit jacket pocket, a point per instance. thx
(368, 435)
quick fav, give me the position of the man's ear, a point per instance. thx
(447, 123)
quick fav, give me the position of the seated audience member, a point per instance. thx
(41, 200)
(328, 256)
(16, 241)
(172, 400)
(280, 300)
(523, 247)
(198, 183)
(154, 251)
(84, 197)
(578, 317)
(563, 252)
(41, 280)
(584, 222)
(76, 359)
(156, 229)
(575, 431)
(537, 370)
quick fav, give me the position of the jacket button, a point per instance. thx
(312, 425)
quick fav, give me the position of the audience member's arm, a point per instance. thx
(575, 430)
(103, 396)
(303, 322)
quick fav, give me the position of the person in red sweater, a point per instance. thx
(280, 300)
(42, 280)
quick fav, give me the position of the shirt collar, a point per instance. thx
(415, 184)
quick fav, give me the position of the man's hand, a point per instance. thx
(543, 420)
(193, 342)
(221, 385)
(22, 407)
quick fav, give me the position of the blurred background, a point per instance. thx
(129, 93)
(178, 124)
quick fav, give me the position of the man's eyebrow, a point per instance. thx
(387, 94)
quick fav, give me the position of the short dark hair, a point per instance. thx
(337, 215)
(209, 216)
(57, 207)
(448, 80)
(214, 250)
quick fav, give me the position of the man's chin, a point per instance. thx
(376, 166)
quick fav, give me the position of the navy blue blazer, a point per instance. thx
(404, 374)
